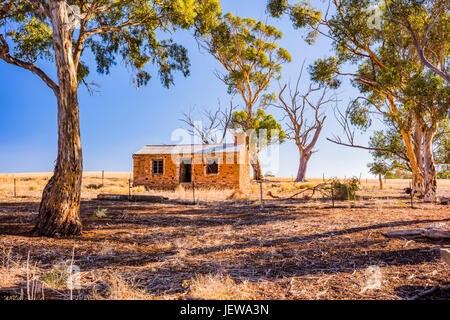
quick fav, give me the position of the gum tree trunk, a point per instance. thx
(257, 172)
(429, 167)
(307, 151)
(417, 173)
(303, 165)
(380, 179)
(418, 178)
(59, 211)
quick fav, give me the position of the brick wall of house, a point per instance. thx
(235, 175)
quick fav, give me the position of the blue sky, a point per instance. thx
(120, 119)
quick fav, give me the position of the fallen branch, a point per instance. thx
(429, 233)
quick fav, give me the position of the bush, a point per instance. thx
(345, 190)
(94, 186)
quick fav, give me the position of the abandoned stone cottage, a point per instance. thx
(221, 166)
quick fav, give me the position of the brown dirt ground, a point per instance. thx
(289, 250)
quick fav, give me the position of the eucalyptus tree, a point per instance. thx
(433, 16)
(265, 131)
(62, 32)
(363, 34)
(248, 51)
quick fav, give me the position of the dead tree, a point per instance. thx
(216, 123)
(303, 132)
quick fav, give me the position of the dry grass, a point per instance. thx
(218, 287)
(31, 185)
(117, 288)
(226, 249)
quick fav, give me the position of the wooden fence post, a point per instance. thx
(412, 195)
(129, 189)
(193, 192)
(261, 195)
(332, 193)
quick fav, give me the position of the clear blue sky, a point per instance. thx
(119, 120)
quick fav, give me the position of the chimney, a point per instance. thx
(239, 138)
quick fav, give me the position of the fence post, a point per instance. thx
(129, 189)
(261, 195)
(15, 193)
(332, 193)
(412, 195)
(193, 192)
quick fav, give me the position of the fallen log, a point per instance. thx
(132, 198)
(429, 233)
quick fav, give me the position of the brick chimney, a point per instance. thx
(239, 138)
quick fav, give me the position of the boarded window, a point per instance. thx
(212, 166)
(158, 166)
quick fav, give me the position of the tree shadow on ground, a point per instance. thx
(420, 292)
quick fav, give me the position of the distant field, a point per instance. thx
(32, 184)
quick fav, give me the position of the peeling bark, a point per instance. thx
(59, 211)
(418, 177)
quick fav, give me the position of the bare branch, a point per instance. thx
(5, 55)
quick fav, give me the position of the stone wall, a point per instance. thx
(233, 173)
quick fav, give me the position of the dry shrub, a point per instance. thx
(218, 287)
(119, 289)
(10, 267)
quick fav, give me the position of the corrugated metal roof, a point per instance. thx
(190, 148)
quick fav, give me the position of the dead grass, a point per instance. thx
(218, 287)
(117, 288)
(220, 249)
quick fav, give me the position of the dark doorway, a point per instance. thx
(185, 171)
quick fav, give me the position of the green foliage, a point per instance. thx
(248, 51)
(33, 40)
(302, 15)
(277, 8)
(56, 278)
(442, 142)
(345, 190)
(100, 213)
(261, 123)
(325, 72)
(129, 30)
(444, 172)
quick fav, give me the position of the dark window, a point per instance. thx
(158, 166)
(212, 166)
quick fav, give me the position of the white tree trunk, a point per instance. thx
(59, 211)
(303, 165)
